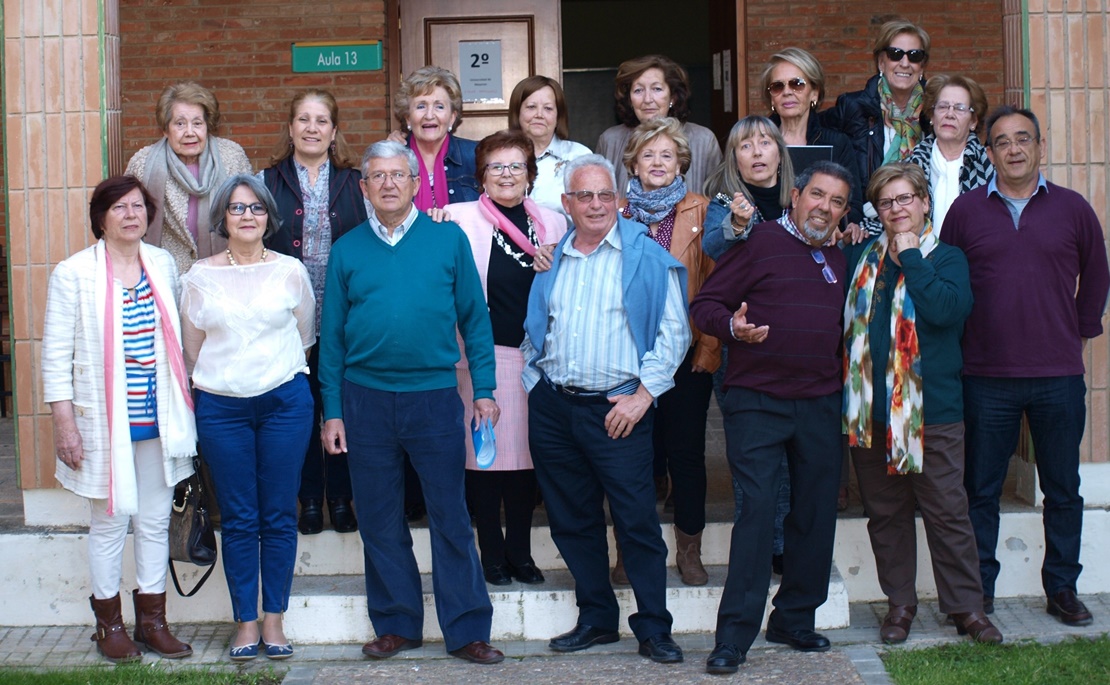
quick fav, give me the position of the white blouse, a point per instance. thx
(245, 328)
(944, 179)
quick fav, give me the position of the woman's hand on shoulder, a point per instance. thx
(439, 214)
(542, 261)
(398, 136)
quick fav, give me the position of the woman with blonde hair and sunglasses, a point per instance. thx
(793, 87)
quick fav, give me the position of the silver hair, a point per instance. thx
(584, 161)
(220, 200)
(388, 149)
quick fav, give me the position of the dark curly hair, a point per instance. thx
(673, 74)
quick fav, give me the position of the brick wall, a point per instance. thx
(966, 38)
(240, 49)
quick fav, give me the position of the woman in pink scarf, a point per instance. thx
(505, 228)
(114, 377)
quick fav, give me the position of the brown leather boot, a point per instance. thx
(618, 576)
(688, 558)
(151, 629)
(111, 636)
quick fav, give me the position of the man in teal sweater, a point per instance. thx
(397, 287)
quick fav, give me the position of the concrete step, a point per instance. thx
(332, 609)
(44, 574)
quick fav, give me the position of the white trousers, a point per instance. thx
(151, 525)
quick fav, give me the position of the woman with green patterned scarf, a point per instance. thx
(908, 297)
(884, 120)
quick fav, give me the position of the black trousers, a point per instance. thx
(578, 466)
(322, 476)
(679, 439)
(486, 491)
(759, 430)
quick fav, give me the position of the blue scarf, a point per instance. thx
(651, 206)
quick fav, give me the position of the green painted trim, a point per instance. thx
(103, 70)
(8, 241)
(1026, 91)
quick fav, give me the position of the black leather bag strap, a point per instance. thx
(196, 588)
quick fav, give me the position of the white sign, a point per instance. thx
(480, 71)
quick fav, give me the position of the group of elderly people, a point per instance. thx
(191, 327)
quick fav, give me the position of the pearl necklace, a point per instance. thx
(522, 256)
(231, 259)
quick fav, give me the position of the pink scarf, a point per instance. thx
(490, 212)
(173, 351)
(426, 196)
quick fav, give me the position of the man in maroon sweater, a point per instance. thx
(1029, 243)
(777, 300)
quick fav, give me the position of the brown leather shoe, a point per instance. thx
(978, 626)
(479, 652)
(688, 558)
(111, 636)
(151, 629)
(389, 645)
(896, 625)
(1069, 609)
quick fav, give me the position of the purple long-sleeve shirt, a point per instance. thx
(1030, 318)
(775, 273)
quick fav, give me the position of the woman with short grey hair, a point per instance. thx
(248, 316)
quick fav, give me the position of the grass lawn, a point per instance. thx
(140, 674)
(1075, 661)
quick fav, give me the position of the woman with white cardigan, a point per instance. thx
(124, 435)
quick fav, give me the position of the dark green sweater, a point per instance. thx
(941, 292)
(390, 314)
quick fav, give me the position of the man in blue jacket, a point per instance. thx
(606, 330)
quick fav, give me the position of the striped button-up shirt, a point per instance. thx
(589, 343)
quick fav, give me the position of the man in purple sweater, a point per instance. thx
(777, 300)
(1028, 242)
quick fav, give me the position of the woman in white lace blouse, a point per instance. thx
(247, 318)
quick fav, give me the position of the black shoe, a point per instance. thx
(1069, 609)
(776, 564)
(582, 637)
(526, 573)
(342, 516)
(662, 649)
(801, 640)
(415, 513)
(724, 659)
(312, 517)
(497, 574)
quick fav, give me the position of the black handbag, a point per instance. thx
(192, 538)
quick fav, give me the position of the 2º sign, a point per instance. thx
(359, 55)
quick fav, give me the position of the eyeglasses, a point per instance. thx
(585, 197)
(826, 270)
(796, 84)
(896, 54)
(399, 177)
(240, 208)
(514, 169)
(957, 107)
(886, 203)
(1003, 144)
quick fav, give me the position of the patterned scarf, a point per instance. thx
(976, 170)
(904, 413)
(905, 122)
(651, 206)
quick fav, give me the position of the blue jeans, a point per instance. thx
(254, 447)
(1056, 410)
(381, 428)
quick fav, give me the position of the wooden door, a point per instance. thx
(489, 44)
(727, 43)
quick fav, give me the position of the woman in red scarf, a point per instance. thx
(505, 228)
